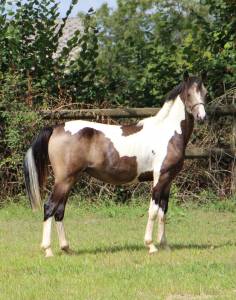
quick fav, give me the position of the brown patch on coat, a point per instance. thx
(176, 147)
(172, 163)
(146, 176)
(130, 129)
(91, 151)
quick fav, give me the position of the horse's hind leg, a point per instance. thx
(59, 216)
(57, 197)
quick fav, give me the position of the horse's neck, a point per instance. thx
(171, 109)
(174, 112)
(164, 111)
(187, 127)
(160, 116)
(177, 110)
(179, 114)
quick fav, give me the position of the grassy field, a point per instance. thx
(110, 261)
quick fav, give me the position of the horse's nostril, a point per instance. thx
(201, 119)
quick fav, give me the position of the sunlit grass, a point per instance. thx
(110, 261)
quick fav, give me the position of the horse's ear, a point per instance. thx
(186, 75)
(204, 75)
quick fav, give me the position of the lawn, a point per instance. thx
(110, 260)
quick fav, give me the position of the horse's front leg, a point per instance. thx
(163, 207)
(152, 216)
(158, 208)
(161, 234)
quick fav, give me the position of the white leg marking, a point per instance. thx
(46, 241)
(152, 215)
(161, 236)
(156, 174)
(64, 245)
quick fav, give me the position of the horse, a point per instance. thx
(150, 150)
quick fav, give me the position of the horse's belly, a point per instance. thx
(115, 176)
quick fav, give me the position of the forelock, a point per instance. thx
(194, 80)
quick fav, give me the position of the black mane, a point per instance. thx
(179, 89)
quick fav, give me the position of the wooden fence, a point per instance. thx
(121, 113)
(137, 113)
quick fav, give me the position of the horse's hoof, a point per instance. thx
(165, 247)
(67, 250)
(48, 253)
(152, 249)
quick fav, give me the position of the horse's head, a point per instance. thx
(193, 95)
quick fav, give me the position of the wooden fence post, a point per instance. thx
(233, 143)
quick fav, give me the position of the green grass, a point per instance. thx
(110, 261)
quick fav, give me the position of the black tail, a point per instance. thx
(36, 166)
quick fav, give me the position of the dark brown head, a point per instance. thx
(193, 95)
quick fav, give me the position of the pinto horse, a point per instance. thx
(150, 150)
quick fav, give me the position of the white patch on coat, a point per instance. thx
(153, 138)
(160, 116)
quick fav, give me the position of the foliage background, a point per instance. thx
(128, 57)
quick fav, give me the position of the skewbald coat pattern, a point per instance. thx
(152, 149)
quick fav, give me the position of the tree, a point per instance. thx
(217, 39)
(146, 45)
(30, 34)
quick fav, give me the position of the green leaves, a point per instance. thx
(32, 31)
(34, 74)
(145, 46)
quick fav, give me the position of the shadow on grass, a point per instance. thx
(140, 247)
(201, 246)
(112, 249)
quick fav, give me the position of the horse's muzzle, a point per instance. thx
(200, 113)
(202, 119)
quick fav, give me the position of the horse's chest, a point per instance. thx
(146, 154)
(150, 156)
(153, 151)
